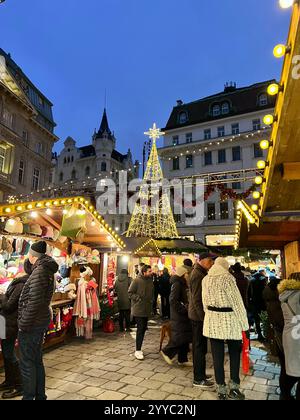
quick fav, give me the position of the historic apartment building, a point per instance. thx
(217, 138)
(79, 169)
(26, 132)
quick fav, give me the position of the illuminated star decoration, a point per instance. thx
(154, 133)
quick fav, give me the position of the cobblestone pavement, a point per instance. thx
(105, 369)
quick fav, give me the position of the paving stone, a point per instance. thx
(53, 383)
(95, 381)
(129, 363)
(259, 368)
(254, 395)
(247, 385)
(162, 369)
(149, 384)
(70, 387)
(131, 380)
(57, 374)
(91, 391)
(71, 397)
(256, 380)
(49, 363)
(64, 366)
(265, 388)
(54, 394)
(172, 388)
(76, 377)
(273, 397)
(128, 370)
(183, 381)
(174, 397)
(111, 396)
(134, 390)
(264, 375)
(209, 396)
(145, 374)
(94, 365)
(112, 386)
(95, 373)
(192, 392)
(273, 382)
(79, 369)
(275, 370)
(154, 395)
(163, 377)
(133, 398)
(113, 376)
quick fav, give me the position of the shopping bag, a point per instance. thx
(108, 326)
(246, 354)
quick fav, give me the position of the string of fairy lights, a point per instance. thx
(251, 212)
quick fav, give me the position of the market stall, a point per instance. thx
(73, 231)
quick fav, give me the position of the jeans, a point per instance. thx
(31, 363)
(181, 351)
(218, 353)
(142, 325)
(165, 306)
(199, 351)
(8, 350)
(124, 315)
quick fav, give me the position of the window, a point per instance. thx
(221, 131)
(236, 153)
(235, 128)
(87, 171)
(7, 118)
(127, 226)
(175, 140)
(208, 158)
(72, 159)
(176, 164)
(36, 179)
(21, 172)
(25, 136)
(258, 152)
(211, 211)
(61, 177)
(189, 161)
(222, 156)
(113, 224)
(69, 160)
(121, 227)
(103, 167)
(65, 160)
(216, 111)
(256, 125)
(225, 108)
(236, 186)
(207, 134)
(183, 117)
(41, 101)
(263, 100)
(224, 211)
(189, 137)
(73, 174)
(2, 158)
(39, 148)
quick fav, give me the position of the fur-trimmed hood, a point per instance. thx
(288, 285)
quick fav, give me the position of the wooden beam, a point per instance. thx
(50, 221)
(291, 171)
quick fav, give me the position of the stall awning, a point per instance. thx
(51, 212)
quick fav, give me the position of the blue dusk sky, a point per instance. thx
(145, 53)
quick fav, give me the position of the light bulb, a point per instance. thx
(285, 4)
(11, 222)
(49, 212)
(279, 51)
(34, 214)
(264, 144)
(259, 180)
(254, 207)
(261, 164)
(268, 119)
(256, 195)
(273, 89)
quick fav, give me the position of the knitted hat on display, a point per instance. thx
(38, 249)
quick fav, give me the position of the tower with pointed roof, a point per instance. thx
(104, 143)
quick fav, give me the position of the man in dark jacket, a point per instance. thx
(9, 309)
(164, 291)
(242, 282)
(122, 285)
(196, 315)
(256, 302)
(34, 319)
(141, 296)
(181, 327)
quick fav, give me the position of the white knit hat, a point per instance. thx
(222, 262)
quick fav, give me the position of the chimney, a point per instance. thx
(179, 102)
(230, 87)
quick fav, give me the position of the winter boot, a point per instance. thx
(235, 393)
(16, 391)
(222, 392)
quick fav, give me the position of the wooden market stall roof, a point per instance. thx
(279, 205)
(51, 212)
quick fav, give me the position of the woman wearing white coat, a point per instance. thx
(225, 320)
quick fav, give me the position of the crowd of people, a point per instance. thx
(210, 300)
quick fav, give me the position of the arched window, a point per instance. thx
(61, 177)
(113, 224)
(73, 175)
(103, 167)
(216, 110)
(69, 159)
(225, 108)
(65, 160)
(72, 159)
(182, 117)
(87, 171)
(263, 99)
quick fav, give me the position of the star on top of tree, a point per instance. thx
(154, 133)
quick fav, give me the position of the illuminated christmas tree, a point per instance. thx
(152, 216)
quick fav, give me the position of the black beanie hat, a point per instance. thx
(38, 249)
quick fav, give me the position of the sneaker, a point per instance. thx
(166, 358)
(14, 393)
(6, 387)
(209, 377)
(185, 364)
(236, 394)
(222, 392)
(205, 384)
(139, 355)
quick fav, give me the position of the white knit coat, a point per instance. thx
(219, 290)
